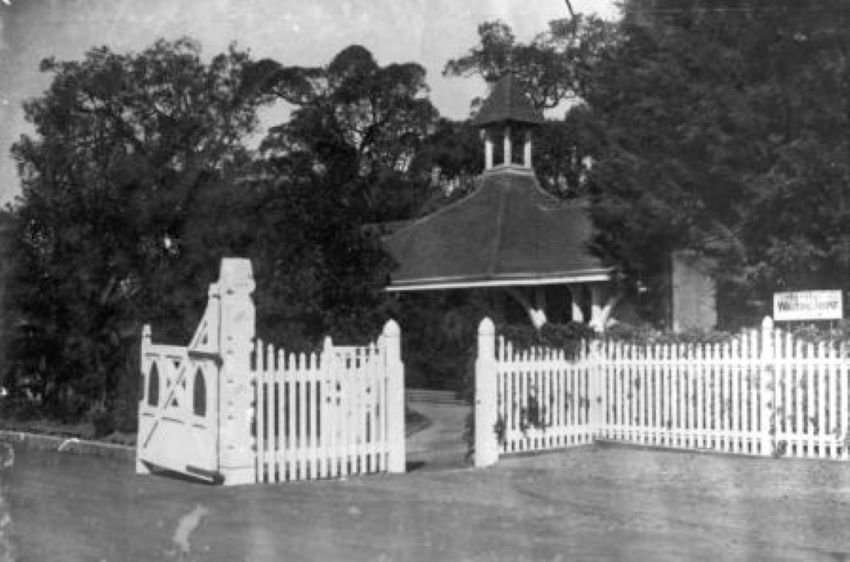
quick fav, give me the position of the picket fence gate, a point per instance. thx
(762, 393)
(329, 415)
(230, 409)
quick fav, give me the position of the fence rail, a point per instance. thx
(762, 393)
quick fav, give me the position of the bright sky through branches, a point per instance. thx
(304, 33)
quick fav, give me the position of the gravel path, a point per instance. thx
(441, 445)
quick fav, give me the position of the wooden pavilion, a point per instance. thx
(509, 234)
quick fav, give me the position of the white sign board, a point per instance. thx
(808, 305)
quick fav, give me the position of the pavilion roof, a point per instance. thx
(509, 232)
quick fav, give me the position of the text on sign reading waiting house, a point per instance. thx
(808, 305)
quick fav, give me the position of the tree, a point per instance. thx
(125, 147)
(554, 67)
(352, 113)
(554, 70)
(725, 133)
(347, 156)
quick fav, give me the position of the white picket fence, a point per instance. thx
(331, 414)
(542, 400)
(763, 393)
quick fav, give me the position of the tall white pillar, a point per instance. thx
(391, 343)
(236, 398)
(144, 423)
(486, 398)
(526, 157)
(507, 145)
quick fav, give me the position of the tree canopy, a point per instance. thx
(138, 180)
(725, 133)
(125, 145)
(352, 113)
(553, 67)
(554, 70)
(720, 131)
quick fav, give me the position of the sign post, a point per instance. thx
(808, 305)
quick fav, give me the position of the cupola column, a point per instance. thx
(526, 157)
(507, 143)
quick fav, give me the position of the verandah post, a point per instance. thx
(766, 387)
(486, 442)
(391, 339)
(236, 397)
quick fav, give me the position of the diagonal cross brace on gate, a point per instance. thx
(212, 438)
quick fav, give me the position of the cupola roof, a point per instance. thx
(507, 103)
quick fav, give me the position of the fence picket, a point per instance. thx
(832, 389)
(823, 406)
(811, 385)
(725, 396)
(843, 390)
(682, 385)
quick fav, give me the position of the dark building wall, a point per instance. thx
(693, 294)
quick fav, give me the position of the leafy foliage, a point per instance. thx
(138, 181)
(554, 67)
(124, 148)
(554, 70)
(351, 116)
(725, 134)
(567, 337)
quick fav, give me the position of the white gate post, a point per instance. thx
(143, 426)
(767, 387)
(486, 443)
(236, 396)
(397, 453)
(590, 358)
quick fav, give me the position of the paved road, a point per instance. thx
(589, 503)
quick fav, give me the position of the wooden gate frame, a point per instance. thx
(225, 449)
(223, 341)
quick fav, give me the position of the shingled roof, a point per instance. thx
(508, 232)
(506, 103)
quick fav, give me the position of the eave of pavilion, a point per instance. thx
(448, 283)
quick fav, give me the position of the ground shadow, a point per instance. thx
(414, 465)
(178, 476)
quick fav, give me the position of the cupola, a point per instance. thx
(507, 115)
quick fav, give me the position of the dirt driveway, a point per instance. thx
(441, 444)
(596, 503)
